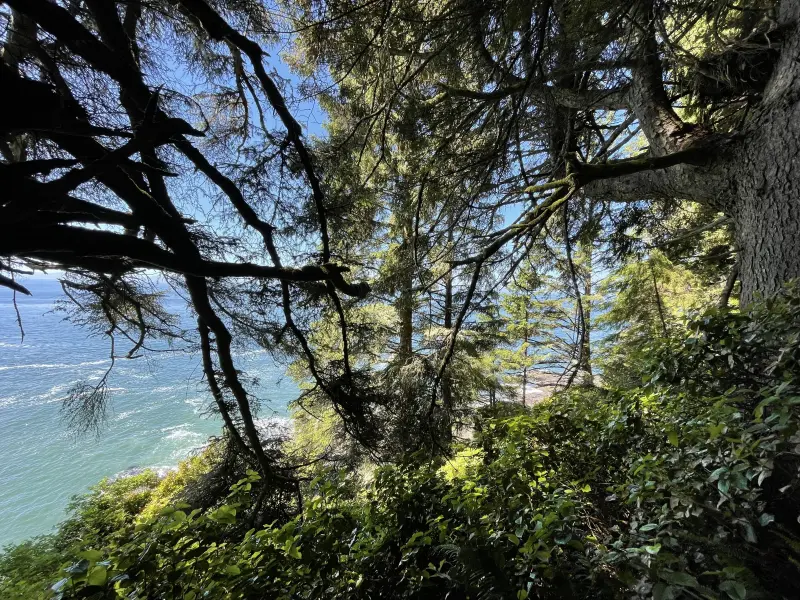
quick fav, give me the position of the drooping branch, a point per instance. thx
(612, 99)
(71, 244)
(218, 29)
(13, 285)
(216, 390)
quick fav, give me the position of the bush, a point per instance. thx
(26, 569)
(686, 487)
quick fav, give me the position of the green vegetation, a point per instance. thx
(684, 487)
(504, 192)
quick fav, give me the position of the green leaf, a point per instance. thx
(734, 589)
(717, 472)
(91, 555)
(653, 549)
(765, 519)
(749, 532)
(664, 592)
(97, 576)
(678, 578)
(714, 431)
(672, 436)
(232, 570)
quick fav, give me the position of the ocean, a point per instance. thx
(158, 412)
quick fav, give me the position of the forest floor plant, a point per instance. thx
(684, 487)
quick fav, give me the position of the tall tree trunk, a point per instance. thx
(405, 313)
(766, 209)
(525, 359)
(447, 392)
(765, 170)
(585, 366)
(405, 301)
(753, 176)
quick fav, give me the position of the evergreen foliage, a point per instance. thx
(506, 191)
(685, 486)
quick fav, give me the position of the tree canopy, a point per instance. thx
(506, 200)
(474, 153)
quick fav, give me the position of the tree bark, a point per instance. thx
(587, 377)
(447, 392)
(752, 176)
(767, 221)
(405, 300)
(766, 175)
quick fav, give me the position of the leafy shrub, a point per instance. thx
(26, 569)
(686, 487)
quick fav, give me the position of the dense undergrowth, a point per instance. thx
(684, 487)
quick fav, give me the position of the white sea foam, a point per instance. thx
(124, 415)
(272, 427)
(160, 470)
(8, 400)
(198, 404)
(15, 345)
(55, 365)
(184, 434)
(165, 388)
(54, 393)
(174, 427)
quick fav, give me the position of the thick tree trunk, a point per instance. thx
(753, 177)
(766, 174)
(767, 225)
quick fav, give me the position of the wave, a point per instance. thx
(174, 427)
(54, 394)
(55, 365)
(165, 388)
(183, 434)
(8, 401)
(125, 414)
(25, 305)
(54, 391)
(247, 353)
(198, 405)
(275, 427)
(160, 470)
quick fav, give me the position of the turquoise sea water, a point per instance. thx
(158, 410)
